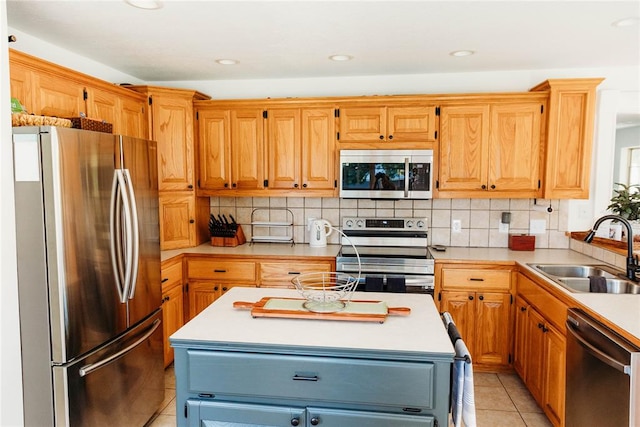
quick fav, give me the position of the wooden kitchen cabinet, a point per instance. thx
(540, 347)
(491, 150)
(172, 303)
(388, 123)
(280, 273)
(301, 149)
(177, 220)
(480, 303)
(126, 110)
(569, 136)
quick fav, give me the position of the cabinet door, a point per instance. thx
(461, 306)
(177, 221)
(103, 105)
(172, 317)
(283, 148)
(201, 294)
(464, 139)
(520, 352)
(318, 148)
(57, 96)
(362, 124)
(22, 86)
(233, 414)
(515, 148)
(214, 147)
(172, 127)
(554, 371)
(492, 326)
(133, 118)
(534, 366)
(346, 418)
(411, 124)
(247, 151)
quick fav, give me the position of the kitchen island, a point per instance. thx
(235, 369)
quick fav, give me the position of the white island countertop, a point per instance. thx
(420, 335)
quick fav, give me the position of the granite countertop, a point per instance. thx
(419, 335)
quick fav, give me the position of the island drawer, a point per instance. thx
(222, 270)
(319, 379)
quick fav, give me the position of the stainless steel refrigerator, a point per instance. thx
(88, 277)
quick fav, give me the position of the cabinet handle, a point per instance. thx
(381, 137)
(233, 185)
(297, 377)
(215, 288)
(493, 187)
(165, 279)
(225, 289)
(304, 185)
(484, 187)
(476, 279)
(295, 421)
(294, 272)
(540, 325)
(315, 421)
(470, 297)
(295, 185)
(190, 186)
(390, 137)
(226, 185)
(191, 221)
(523, 308)
(481, 298)
(219, 271)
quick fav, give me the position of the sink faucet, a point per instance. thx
(632, 262)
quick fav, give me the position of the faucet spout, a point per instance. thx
(632, 263)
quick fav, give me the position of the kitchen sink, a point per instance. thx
(575, 277)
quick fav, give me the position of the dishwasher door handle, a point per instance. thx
(599, 354)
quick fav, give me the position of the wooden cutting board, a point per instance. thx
(292, 308)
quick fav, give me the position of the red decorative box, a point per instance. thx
(522, 242)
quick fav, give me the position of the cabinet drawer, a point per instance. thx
(282, 272)
(221, 270)
(320, 379)
(461, 278)
(171, 274)
(554, 310)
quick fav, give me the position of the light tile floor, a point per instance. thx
(502, 400)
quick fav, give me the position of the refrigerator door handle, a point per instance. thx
(135, 238)
(87, 369)
(115, 231)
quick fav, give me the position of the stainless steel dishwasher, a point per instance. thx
(603, 384)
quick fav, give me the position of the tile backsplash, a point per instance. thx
(479, 218)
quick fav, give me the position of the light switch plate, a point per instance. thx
(456, 226)
(537, 226)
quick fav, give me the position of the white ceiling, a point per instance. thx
(286, 39)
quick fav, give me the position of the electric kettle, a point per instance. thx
(318, 232)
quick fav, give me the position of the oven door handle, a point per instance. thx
(597, 353)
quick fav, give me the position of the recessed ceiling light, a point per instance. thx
(462, 53)
(226, 61)
(626, 22)
(341, 57)
(145, 4)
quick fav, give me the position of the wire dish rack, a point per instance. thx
(328, 292)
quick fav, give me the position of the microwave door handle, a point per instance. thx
(406, 177)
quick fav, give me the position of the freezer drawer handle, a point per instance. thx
(86, 370)
(626, 369)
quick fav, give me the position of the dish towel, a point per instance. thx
(597, 284)
(463, 406)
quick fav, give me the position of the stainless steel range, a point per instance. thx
(393, 254)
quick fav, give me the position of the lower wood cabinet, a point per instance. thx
(480, 303)
(172, 303)
(280, 273)
(203, 292)
(540, 347)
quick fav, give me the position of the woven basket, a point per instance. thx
(23, 119)
(90, 124)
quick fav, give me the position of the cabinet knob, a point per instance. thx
(226, 185)
(190, 186)
(225, 289)
(481, 297)
(304, 185)
(215, 288)
(523, 308)
(540, 325)
(233, 185)
(493, 187)
(191, 221)
(484, 187)
(381, 137)
(470, 297)
(315, 421)
(390, 137)
(295, 421)
(295, 185)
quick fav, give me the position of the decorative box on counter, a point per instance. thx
(522, 242)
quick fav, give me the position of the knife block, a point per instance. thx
(237, 239)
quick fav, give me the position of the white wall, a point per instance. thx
(10, 362)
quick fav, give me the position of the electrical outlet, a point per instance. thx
(503, 228)
(456, 226)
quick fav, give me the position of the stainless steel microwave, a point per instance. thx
(386, 174)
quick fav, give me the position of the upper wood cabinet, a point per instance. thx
(491, 150)
(171, 120)
(126, 110)
(388, 123)
(301, 149)
(230, 148)
(569, 136)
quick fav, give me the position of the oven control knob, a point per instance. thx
(420, 224)
(349, 223)
(409, 224)
(360, 223)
